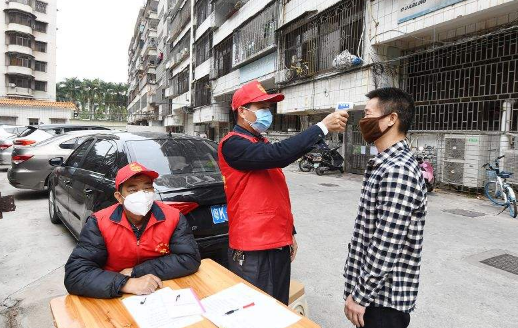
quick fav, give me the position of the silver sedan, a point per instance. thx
(30, 166)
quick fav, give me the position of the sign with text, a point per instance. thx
(410, 9)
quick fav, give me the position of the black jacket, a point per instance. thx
(84, 274)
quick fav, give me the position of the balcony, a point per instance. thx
(211, 114)
(208, 24)
(20, 5)
(19, 28)
(14, 48)
(20, 92)
(19, 70)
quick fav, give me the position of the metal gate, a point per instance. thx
(357, 151)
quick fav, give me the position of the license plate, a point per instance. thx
(219, 214)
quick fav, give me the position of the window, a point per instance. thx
(202, 94)
(180, 82)
(175, 156)
(203, 47)
(256, 35)
(41, 7)
(20, 18)
(97, 155)
(77, 156)
(40, 86)
(20, 82)
(40, 27)
(34, 121)
(58, 121)
(223, 58)
(318, 42)
(20, 60)
(41, 46)
(40, 66)
(20, 40)
(203, 10)
(181, 50)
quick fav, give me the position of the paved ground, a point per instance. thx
(455, 290)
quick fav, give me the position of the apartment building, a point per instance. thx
(28, 43)
(142, 66)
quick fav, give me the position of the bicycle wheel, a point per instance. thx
(494, 193)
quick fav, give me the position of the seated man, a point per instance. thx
(132, 246)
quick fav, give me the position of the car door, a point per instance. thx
(64, 180)
(86, 182)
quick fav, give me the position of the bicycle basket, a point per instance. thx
(491, 175)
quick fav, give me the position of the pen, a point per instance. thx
(244, 307)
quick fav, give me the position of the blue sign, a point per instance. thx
(219, 214)
(410, 9)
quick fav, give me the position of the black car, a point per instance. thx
(189, 180)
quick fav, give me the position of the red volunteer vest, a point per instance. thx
(121, 243)
(259, 207)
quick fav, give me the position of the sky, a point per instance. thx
(93, 37)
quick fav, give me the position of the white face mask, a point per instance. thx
(139, 203)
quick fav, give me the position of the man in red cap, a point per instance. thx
(132, 246)
(261, 232)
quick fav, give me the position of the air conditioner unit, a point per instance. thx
(463, 157)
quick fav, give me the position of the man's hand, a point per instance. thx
(142, 286)
(354, 312)
(294, 247)
(127, 272)
(335, 122)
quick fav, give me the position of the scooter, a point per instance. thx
(331, 161)
(426, 167)
(310, 161)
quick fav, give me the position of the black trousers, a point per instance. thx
(268, 270)
(383, 317)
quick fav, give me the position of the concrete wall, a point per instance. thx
(44, 115)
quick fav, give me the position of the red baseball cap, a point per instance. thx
(253, 92)
(131, 170)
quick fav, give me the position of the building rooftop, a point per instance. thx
(35, 103)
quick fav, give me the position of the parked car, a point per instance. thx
(36, 133)
(30, 166)
(190, 180)
(7, 134)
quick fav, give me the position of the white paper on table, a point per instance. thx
(159, 309)
(266, 312)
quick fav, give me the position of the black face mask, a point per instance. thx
(370, 128)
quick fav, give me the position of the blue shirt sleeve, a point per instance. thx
(244, 155)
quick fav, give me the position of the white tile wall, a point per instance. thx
(202, 70)
(385, 12)
(44, 115)
(323, 95)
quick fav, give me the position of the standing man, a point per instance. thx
(261, 231)
(383, 264)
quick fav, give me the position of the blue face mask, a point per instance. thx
(263, 122)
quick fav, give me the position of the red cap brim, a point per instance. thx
(152, 174)
(274, 97)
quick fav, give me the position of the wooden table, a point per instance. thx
(72, 311)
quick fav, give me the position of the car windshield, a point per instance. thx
(27, 131)
(175, 156)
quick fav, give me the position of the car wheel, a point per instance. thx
(52, 207)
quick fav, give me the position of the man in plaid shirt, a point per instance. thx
(383, 264)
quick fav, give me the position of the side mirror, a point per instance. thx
(56, 161)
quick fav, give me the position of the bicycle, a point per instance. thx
(497, 189)
(297, 68)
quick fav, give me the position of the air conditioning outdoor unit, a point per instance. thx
(463, 157)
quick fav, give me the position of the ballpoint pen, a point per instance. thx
(235, 310)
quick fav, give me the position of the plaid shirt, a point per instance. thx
(382, 267)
